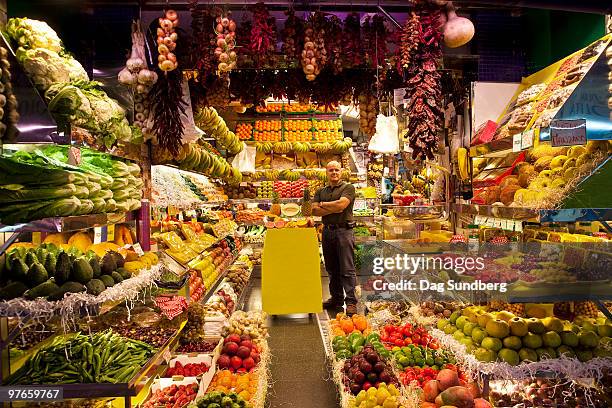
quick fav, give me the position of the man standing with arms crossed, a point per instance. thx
(334, 203)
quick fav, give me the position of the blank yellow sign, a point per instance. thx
(291, 272)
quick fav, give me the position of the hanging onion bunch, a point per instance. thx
(263, 35)
(167, 94)
(368, 110)
(166, 41)
(409, 40)
(424, 89)
(8, 101)
(314, 54)
(351, 47)
(225, 30)
(136, 73)
(293, 36)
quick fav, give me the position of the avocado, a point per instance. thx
(13, 290)
(19, 269)
(117, 277)
(108, 280)
(95, 267)
(67, 287)
(95, 287)
(118, 258)
(62, 268)
(43, 290)
(125, 274)
(108, 264)
(30, 258)
(81, 271)
(50, 262)
(41, 254)
(51, 247)
(36, 275)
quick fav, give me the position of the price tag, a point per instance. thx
(527, 139)
(518, 226)
(110, 232)
(180, 216)
(167, 355)
(479, 220)
(36, 238)
(516, 142)
(568, 132)
(97, 235)
(359, 204)
(497, 223)
(244, 184)
(138, 249)
(74, 156)
(31, 393)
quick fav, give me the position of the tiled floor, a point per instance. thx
(300, 374)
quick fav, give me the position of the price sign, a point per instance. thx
(359, 204)
(110, 232)
(568, 132)
(36, 238)
(138, 249)
(516, 142)
(31, 393)
(74, 156)
(97, 235)
(479, 220)
(527, 139)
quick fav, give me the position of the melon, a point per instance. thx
(457, 396)
(290, 210)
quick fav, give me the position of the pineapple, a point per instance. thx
(306, 204)
(276, 208)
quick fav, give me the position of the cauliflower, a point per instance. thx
(46, 68)
(31, 34)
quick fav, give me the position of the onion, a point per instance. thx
(171, 15)
(174, 37)
(232, 26)
(168, 41)
(223, 66)
(221, 42)
(165, 24)
(458, 31)
(140, 116)
(225, 21)
(309, 44)
(166, 66)
(140, 88)
(310, 54)
(160, 32)
(233, 55)
(163, 49)
(161, 58)
(219, 28)
(135, 64)
(146, 77)
(126, 77)
(218, 52)
(309, 69)
(171, 57)
(310, 77)
(139, 107)
(224, 57)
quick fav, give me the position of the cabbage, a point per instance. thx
(46, 68)
(86, 105)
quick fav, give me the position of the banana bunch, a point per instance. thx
(210, 122)
(463, 163)
(264, 162)
(271, 174)
(193, 157)
(289, 175)
(264, 147)
(258, 175)
(301, 147)
(341, 146)
(282, 147)
(321, 147)
(346, 175)
(322, 175)
(311, 174)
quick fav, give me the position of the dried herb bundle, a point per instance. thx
(169, 105)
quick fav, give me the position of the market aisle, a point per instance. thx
(300, 375)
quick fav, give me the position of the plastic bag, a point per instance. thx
(191, 132)
(245, 160)
(386, 138)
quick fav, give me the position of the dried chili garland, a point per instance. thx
(424, 91)
(263, 36)
(169, 105)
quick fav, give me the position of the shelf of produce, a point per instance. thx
(71, 223)
(533, 215)
(213, 289)
(261, 200)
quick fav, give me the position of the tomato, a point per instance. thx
(407, 341)
(406, 331)
(389, 328)
(399, 342)
(384, 337)
(433, 346)
(416, 338)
